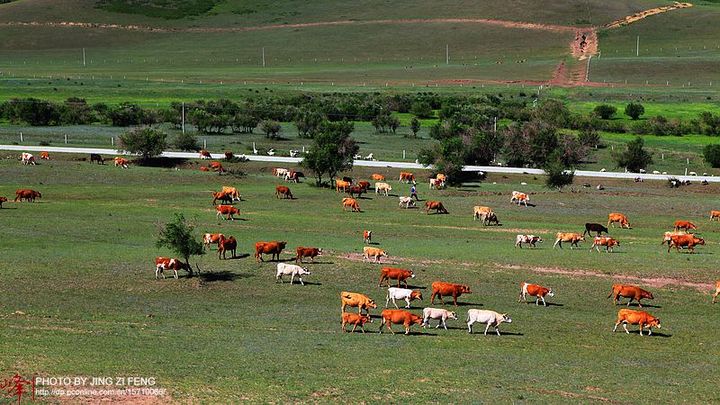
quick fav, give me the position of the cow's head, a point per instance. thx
(505, 318)
(699, 241)
(319, 251)
(416, 320)
(646, 294)
(416, 295)
(465, 289)
(452, 315)
(365, 318)
(654, 323)
(383, 253)
(537, 239)
(412, 275)
(282, 245)
(550, 293)
(371, 304)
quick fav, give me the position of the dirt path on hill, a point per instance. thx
(657, 282)
(647, 13)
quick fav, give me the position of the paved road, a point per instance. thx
(371, 163)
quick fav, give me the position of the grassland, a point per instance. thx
(79, 296)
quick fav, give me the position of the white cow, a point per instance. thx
(284, 269)
(406, 294)
(436, 183)
(490, 318)
(382, 188)
(527, 239)
(406, 202)
(280, 171)
(27, 158)
(436, 313)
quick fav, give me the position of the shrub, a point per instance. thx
(712, 154)
(634, 110)
(635, 157)
(187, 142)
(147, 142)
(270, 128)
(605, 111)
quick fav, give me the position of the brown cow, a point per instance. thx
(688, 241)
(377, 177)
(714, 215)
(283, 191)
(225, 245)
(355, 190)
(367, 236)
(441, 288)
(44, 155)
(534, 290)
(629, 291)
(375, 253)
(641, 318)
(211, 239)
(224, 197)
(606, 241)
(614, 217)
(407, 177)
(572, 237)
(399, 316)
(435, 205)
(361, 301)
(717, 291)
(310, 252)
(27, 195)
(166, 263)
(350, 203)
(228, 210)
(273, 248)
(205, 154)
(355, 320)
(232, 191)
(401, 275)
(686, 225)
(341, 185)
(121, 162)
(204, 169)
(2, 200)
(216, 167)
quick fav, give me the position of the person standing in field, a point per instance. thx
(413, 192)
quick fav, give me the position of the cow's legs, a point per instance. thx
(394, 303)
(407, 299)
(176, 275)
(301, 280)
(354, 327)
(279, 277)
(497, 329)
(455, 299)
(715, 296)
(558, 243)
(537, 300)
(469, 325)
(486, 328)
(616, 325)
(443, 322)
(543, 300)
(625, 327)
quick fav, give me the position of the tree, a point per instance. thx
(332, 150)
(187, 142)
(127, 114)
(244, 122)
(589, 137)
(147, 142)
(179, 237)
(308, 122)
(271, 128)
(557, 173)
(552, 112)
(605, 111)
(634, 110)
(421, 109)
(712, 154)
(415, 126)
(635, 157)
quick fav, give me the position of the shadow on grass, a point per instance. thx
(240, 256)
(223, 276)
(161, 162)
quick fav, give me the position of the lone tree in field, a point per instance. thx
(635, 157)
(270, 128)
(147, 142)
(332, 150)
(634, 110)
(604, 111)
(712, 154)
(415, 126)
(187, 142)
(557, 174)
(178, 237)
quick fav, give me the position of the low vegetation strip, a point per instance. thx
(647, 13)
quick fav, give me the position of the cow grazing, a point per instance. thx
(489, 218)
(597, 228)
(383, 188)
(608, 242)
(232, 192)
(629, 291)
(436, 313)
(166, 263)
(377, 177)
(94, 157)
(283, 191)
(216, 167)
(27, 159)
(406, 294)
(364, 184)
(27, 195)
(480, 211)
(489, 318)
(519, 198)
(361, 301)
(121, 162)
(44, 156)
(367, 237)
(616, 217)
(375, 253)
(714, 215)
(310, 252)
(406, 202)
(435, 205)
(203, 169)
(2, 200)
(399, 316)
(352, 190)
(686, 225)
(688, 240)
(292, 270)
(436, 184)
(205, 155)
(341, 185)
(571, 237)
(293, 176)
(717, 291)
(440, 288)
(534, 290)
(355, 320)
(273, 249)
(224, 197)
(406, 177)
(350, 203)
(227, 245)
(228, 210)
(527, 239)
(211, 239)
(640, 318)
(401, 275)
(279, 171)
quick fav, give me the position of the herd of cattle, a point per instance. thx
(680, 237)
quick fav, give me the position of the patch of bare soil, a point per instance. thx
(566, 394)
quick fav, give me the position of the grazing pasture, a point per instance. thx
(79, 296)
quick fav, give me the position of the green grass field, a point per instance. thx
(79, 295)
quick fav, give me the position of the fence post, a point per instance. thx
(205, 143)
(65, 139)
(21, 137)
(112, 140)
